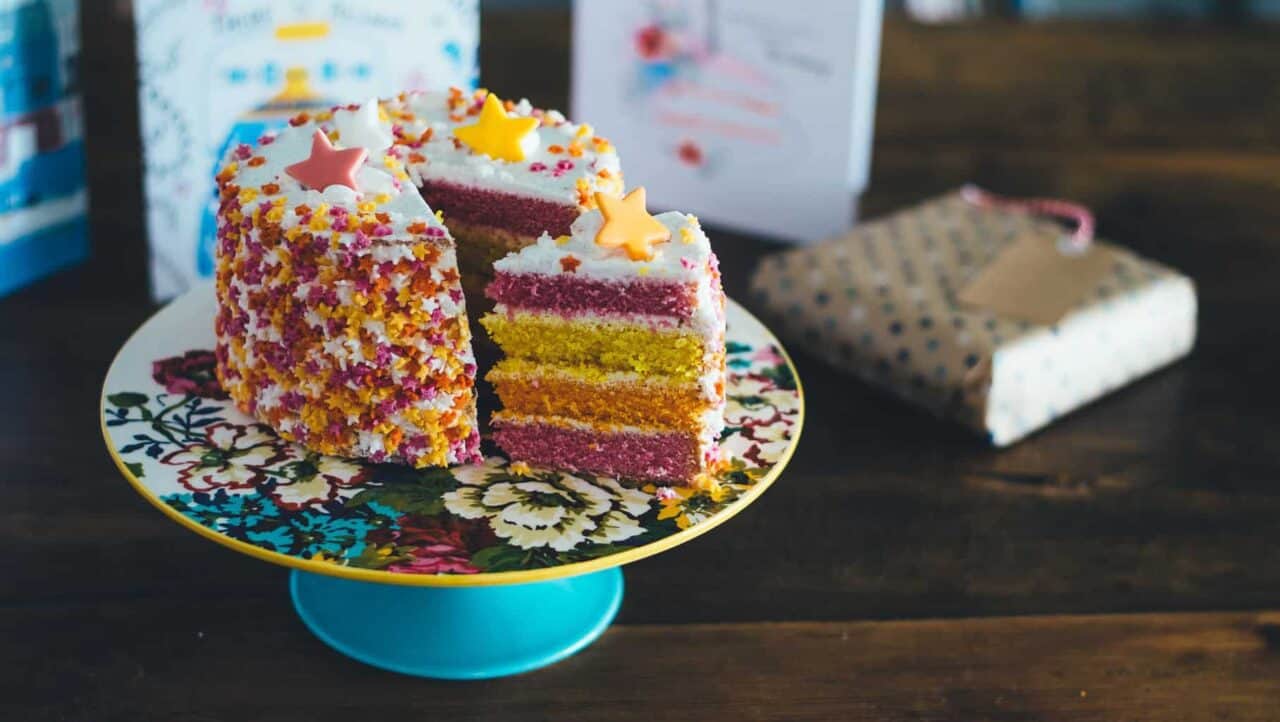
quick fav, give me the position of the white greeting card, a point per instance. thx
(753, 114)
(213, 73)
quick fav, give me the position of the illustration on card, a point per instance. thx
(216, 73)
(296, 96)
(704, 89)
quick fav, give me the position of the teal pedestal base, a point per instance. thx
(458, 632)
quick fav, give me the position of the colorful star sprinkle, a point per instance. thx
(628, 225)
(497, 134)
(328, 166)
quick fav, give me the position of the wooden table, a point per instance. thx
(1117, 566)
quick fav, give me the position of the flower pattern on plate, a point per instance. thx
(546, 509)
(189, 446)
(228, 456)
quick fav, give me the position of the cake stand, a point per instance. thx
(462, 573)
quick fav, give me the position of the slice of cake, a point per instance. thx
(341, 319)
(502, 173)
(614, 337)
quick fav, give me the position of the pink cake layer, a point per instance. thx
(567, 293)
(518, 214)
(658, 456)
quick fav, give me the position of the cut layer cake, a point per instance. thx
(614, 336)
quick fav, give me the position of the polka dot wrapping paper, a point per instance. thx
(882, 303)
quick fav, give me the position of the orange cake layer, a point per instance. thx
(589, 393)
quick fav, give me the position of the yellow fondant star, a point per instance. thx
(628, 225)
(495, 133)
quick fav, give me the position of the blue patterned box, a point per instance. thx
(42, 185)
(213, 73)
(884, 304)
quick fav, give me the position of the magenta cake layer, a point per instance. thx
(642, 456)
(518, 214)
(568, 294)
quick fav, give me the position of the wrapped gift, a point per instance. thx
(213, 75)
(983, 310)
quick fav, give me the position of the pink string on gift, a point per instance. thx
(1077, 242)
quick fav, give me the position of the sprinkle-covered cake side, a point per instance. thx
(341, 318)
(614, 336)
(502, 173)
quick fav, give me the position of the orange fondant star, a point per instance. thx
(495, 133)
(629, 226)
(327, 166)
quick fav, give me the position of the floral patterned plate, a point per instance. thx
(189, 451)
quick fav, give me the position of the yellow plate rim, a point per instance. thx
(483, 579)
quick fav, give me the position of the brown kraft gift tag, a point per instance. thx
(1037, 279)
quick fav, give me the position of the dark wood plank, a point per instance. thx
(1077, 85)
(225, 661)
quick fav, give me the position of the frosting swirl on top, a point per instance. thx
(683, 259)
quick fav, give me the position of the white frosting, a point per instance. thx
(396, 197)
(369, 443)
(363, 128)
(683, 258)
(542, 174)
(391, 132)
(269, 396)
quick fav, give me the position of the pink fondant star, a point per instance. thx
(328, 166)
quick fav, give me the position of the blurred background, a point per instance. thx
(1069, 78)
(935, 10)
(1162, 116)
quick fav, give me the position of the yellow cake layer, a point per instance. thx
(590, 393)
(616, 346)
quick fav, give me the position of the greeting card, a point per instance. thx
(215, 73)
(754, 114)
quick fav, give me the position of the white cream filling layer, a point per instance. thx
(684, 258)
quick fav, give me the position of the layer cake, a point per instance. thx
(341, 322)
(501, 172)
(613, 337)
